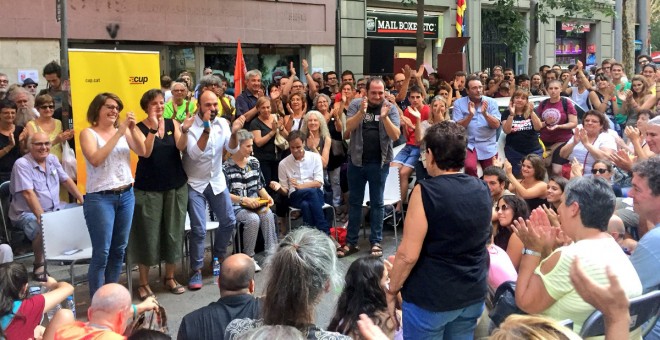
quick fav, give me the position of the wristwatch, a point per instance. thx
(527, 251)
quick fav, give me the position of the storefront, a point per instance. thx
(573, 43)
(392, 36)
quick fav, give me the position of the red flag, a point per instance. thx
(239, 71)
(461, 5)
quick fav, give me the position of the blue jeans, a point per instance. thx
(458, 324)
(221, 206)
(108, 218)
(358, 177)
(310, 202)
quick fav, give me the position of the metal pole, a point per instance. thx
(643, 18)
(618, 30)
(64, 63)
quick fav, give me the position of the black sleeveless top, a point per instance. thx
(163, 170)
(452, 267)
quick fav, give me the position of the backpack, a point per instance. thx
(564, 104)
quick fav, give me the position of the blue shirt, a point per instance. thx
(29, 175)
(646, 259)
(481, 137)
(245, 102)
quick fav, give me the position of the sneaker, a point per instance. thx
(256, 266)
(195, 281)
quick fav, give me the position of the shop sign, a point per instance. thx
(575, 27)
(394, 25)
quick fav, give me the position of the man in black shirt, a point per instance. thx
(237, 302)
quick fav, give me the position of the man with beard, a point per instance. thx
(53, 74)
(373, 124)
(25, 111)
(206, 137)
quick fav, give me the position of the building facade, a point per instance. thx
(188, 34)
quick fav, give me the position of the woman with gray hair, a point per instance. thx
(179, 107)
(544, 285)
(318, 136)
(249, 197)
(300, 271)
(334, 119)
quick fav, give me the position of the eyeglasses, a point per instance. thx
(4, 81)
(31, 86)
(598, 171)
(40, 144)
(111, 107)
(503, 207)
(47, 107)
(179, 90)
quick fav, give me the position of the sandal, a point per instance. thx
(41, 276)
(376, 250)
(144, 291)
(347, 250)
(176, 289)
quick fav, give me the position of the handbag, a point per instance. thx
(154, 320)
(69, 161)
(504, 303)
(338, 148)
(280, 141)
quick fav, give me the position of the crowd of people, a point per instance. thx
(558, 195)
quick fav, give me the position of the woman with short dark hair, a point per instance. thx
(161, 196)
(509, 208)
(448, 254)
(591, 142)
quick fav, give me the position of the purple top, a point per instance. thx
(26, 175)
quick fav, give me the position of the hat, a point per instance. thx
(29, 81)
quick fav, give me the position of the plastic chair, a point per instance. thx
(66, 238)
(326, 206)
(643, 308)
(391, 197)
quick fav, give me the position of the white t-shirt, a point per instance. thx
(604, 140)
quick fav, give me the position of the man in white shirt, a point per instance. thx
(301, 178)
(206, 137)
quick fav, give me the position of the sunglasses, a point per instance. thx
(503, 207)
(31, 86)
(598, 171)
(47, 107)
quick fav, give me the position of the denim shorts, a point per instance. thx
(28, 223)
(408, 156)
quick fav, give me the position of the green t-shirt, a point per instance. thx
(181, 110)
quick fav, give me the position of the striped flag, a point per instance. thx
(239, 71)
(461, 5)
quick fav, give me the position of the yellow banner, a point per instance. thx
(128, 74)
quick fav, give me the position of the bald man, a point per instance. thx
(617, 230)
(35, 190)
(206, 137)
(237, 301)
(108, 315)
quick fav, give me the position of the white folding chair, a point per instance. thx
(66, 238)
(326, 206)
(391, 197)
(210, 226)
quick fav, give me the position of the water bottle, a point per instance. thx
(51, 313)
(216, 270)
(71, 305)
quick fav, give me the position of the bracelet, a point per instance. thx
(153, 131)
(527, 251)
(183, 130)
(207, 124)
(134, 311)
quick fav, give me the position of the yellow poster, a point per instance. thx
(128, 74)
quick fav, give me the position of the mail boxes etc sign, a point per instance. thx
(393, 25)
